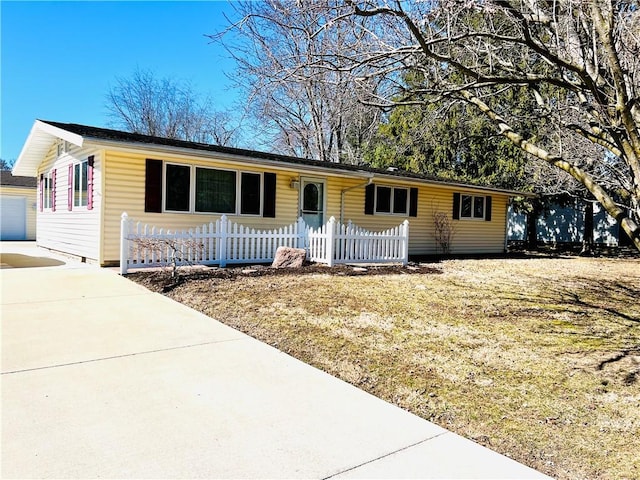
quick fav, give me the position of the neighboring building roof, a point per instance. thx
(37, 146)
(9, 180)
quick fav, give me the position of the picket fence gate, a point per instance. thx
(225, 242)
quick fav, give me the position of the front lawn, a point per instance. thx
(535, 358)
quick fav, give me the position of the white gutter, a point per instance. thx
(345, 190)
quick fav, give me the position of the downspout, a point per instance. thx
(506, 226)
(345, 190)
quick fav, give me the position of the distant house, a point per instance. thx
(17, 207)
(87, 177)
(565, 224)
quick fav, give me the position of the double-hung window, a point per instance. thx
(177, 188)
(250, 193)
(47, 190)
(392, 200)
(472, 207)
(80, 184)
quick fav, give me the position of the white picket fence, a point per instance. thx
(338, 243)
(225, 242)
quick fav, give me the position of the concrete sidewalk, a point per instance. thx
(102, 378)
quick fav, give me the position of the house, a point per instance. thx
(17, 207)
(88, 176)
(565, 223)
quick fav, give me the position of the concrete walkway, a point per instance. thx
(104, 379)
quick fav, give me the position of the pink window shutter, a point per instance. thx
(90, 183)
(53, 190)
(41, 192)
(70, 189)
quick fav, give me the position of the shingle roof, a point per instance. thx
(117, 135)
(106, 134)
(8, 180)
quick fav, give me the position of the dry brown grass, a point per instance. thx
(538, 358)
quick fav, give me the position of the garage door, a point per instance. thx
(13, 218)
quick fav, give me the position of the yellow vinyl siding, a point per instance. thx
(76, 232)
(124, 178)
(470, 236)
(478, 236)
(125, 185)
(30, 195)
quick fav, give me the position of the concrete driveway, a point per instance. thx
(104, 379)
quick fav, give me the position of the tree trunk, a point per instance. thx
(587, 236)
(532, 225)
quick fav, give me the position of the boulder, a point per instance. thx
(289, 257)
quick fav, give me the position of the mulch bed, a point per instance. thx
(160, 280)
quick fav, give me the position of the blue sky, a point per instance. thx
(59, 59)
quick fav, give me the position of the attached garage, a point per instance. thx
(17, 207)
(13, 221)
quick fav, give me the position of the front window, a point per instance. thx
(472, 207)
(392, 200)
(250, 193)
(400, 200)
(177, 187)
(478, 207)
(215, 190)
(192, 189)
(80, 184)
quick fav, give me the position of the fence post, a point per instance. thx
(301, 231)
(222, 246)
(124, 243)
(405, 242)
(331, 232)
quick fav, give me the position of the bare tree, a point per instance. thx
(6, 164)
(308, 107)
(443, 231)
(167, 108)
(173, 252)
(578, 59)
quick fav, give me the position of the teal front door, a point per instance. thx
(312, 192)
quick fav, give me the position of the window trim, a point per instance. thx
(473, 217)
(392, 201)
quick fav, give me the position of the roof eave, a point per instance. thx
(191, 152)
(466, 186)
(284, 165)
(37, 145)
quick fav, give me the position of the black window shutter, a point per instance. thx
(369, 198)
(456, 206)
(487, 208)
(413, 202)
(153, 186)
(269, 196)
